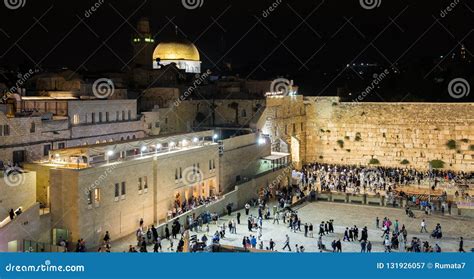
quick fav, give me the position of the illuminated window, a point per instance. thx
(75, 119)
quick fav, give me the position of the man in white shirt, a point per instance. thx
(423, 226)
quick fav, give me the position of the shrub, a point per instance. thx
(340, 143)
(374, 161)
(437, 164)
(348, 150)
(321, 157)
(451, 144)
(328, 131)
(346, 138)
(465, 140)
(405, 162)
(471, 147)
(358, 137)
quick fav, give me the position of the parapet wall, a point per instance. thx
(354, 133)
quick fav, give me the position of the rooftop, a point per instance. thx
(89, 156)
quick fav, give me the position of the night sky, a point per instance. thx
(309, 41)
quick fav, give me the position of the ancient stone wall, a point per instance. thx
(354, 133)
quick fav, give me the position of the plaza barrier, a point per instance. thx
(465, 209)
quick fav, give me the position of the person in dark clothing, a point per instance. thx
(107, 237)
(272, 244)
(346, 235)
(331, 226)
(12, 214)
(356, 232)
(238, 218)
(154, 233)
(167, 232)
(321, 229)
(143, 246)
(339, 246)
(229, 209)
(364, 235)
(461, 245)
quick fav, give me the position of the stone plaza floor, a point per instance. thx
(344, 215)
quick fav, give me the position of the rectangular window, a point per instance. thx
(123, 115)
(100, 116)
(75, 119)
(176, 174)
(107, 116)
(210, 164)
(96, 196)
(117, 190)
(32, 127)
(302, 127)
(6, 130)
(123, 189)
(46, 149)
(129, 115)
(117, 116)
(145, 182)
(180, 173)
(140, 187)
(213, 164)
(93, 117)
(61, 145)
(89, 197)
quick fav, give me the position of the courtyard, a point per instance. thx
(344, 215)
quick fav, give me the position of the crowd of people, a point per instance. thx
(357, 179)
(181, 207)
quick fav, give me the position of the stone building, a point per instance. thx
(46, 123)
(91, 189)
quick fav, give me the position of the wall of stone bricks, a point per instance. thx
(354, 133)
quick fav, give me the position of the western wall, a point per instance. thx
(390, 134)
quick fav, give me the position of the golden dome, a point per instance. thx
(176, 50)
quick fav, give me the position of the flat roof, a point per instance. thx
(276, 156)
